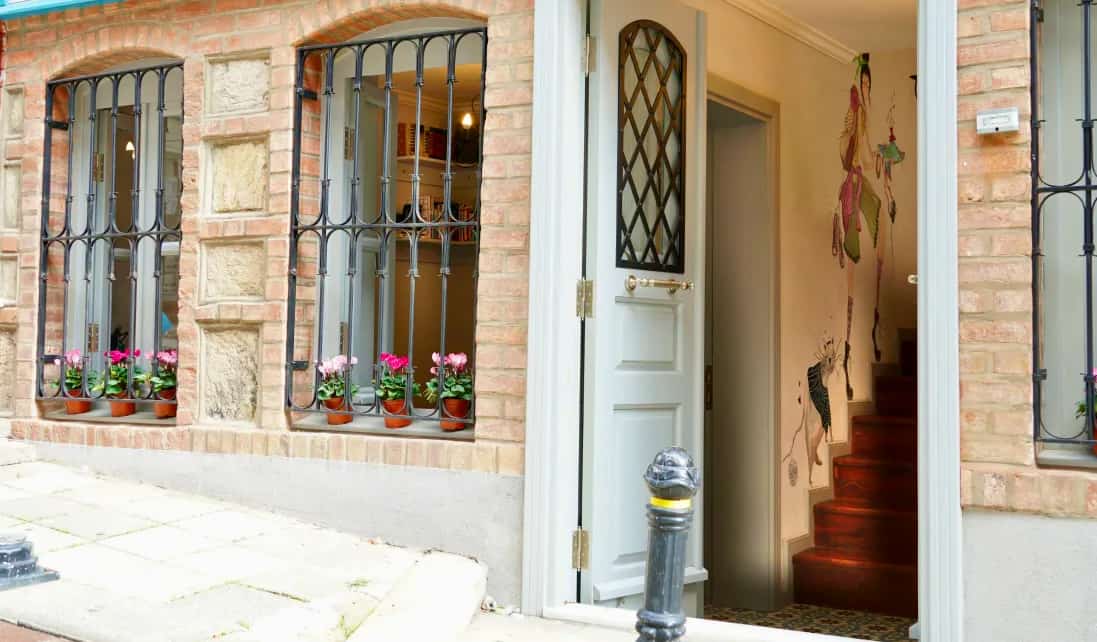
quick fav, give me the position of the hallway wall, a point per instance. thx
(813, 89)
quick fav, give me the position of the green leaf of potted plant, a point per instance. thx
(333, 387)
(164, 383)
(392, 389)
(452, 383)
(74, 382)
(115, 385)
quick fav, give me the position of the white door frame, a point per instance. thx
(552, 416)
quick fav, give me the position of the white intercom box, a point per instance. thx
(997, 121)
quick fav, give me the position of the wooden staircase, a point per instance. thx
(865, 556)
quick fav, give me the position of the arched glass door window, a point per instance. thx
(110, 230)
(651, 149)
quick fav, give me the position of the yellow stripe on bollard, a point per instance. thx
(672, 504)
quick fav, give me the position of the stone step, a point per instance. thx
(436, 601)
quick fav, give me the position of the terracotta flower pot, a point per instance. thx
(337, 418)
(122, 408)
(76, 407)
(457, 409)
(165, 410)
(396, 407)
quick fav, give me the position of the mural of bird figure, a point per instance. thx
(815, 420)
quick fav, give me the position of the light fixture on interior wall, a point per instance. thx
(131, 149)
(466, 120)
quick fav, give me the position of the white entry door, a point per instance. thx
(643, 387)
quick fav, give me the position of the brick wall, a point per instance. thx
(246, 138)
(997, 449)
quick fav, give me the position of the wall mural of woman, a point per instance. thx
(859, 203)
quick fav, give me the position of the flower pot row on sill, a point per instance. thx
(455, 409)
(452, 383)
(124, 407)
(161, 380)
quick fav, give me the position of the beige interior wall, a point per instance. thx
(812, 89)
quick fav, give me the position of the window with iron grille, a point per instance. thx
(110, 233)
(385, 231)
(651, 127)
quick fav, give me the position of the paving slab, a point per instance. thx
(161, 543)
(92, 523)
(140, 563)
(488, 627)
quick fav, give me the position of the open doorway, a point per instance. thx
(810, 477)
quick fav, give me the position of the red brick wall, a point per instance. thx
(92, 39)
(998, 452)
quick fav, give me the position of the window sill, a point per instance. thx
(318, 422)
(101, 415)
(1064, 456)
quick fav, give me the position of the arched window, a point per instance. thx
(651, 128)
(110, 232)
(385, 228)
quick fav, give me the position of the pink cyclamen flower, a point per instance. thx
(458, 361)
(74, 358)
(397, 364)
(167, 357)
(436, 358)
(338, 363)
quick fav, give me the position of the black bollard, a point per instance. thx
(672, 480)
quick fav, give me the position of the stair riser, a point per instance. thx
(878, 487)
(891, 591)
(891, 443)
(888, 538)
(896, 396)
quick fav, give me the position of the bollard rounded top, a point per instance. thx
(672, 475)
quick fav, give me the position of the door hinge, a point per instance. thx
(589, 53)
(584, 299)
(708, 387)
(580, 549)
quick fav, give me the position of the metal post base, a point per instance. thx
(18, 564)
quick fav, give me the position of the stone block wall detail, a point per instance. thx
(12, 193)
(238, 171)
(7, 369)
(230, 373)
(232, 271)
(237, 151)
(239, 85)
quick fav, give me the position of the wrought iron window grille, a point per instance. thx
(84, 239)
(331, 219)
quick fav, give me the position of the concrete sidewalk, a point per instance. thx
(139, 563)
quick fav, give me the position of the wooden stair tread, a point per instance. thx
(837, 558)
(860, 510)
(891, 421)
(856, 461)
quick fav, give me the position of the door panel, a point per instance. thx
(643, 370)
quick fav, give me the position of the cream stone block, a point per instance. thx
(229, 377)
(7, 369)
(238, 85)
(239, 176)
(14, 113)
(13, 182)
(233, 270)
(9, 279)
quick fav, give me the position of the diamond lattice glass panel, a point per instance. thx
(651, 153)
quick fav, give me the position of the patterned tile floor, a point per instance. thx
(816, 619)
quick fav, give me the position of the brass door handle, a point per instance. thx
(670, 285)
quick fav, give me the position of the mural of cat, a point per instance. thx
(815, 420)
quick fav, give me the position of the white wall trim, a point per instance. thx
(940, 586)
(795, 28)
(556, 240)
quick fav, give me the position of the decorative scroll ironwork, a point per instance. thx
(1078, 196)
(346, 247)
(103, 252)
(651, 151)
